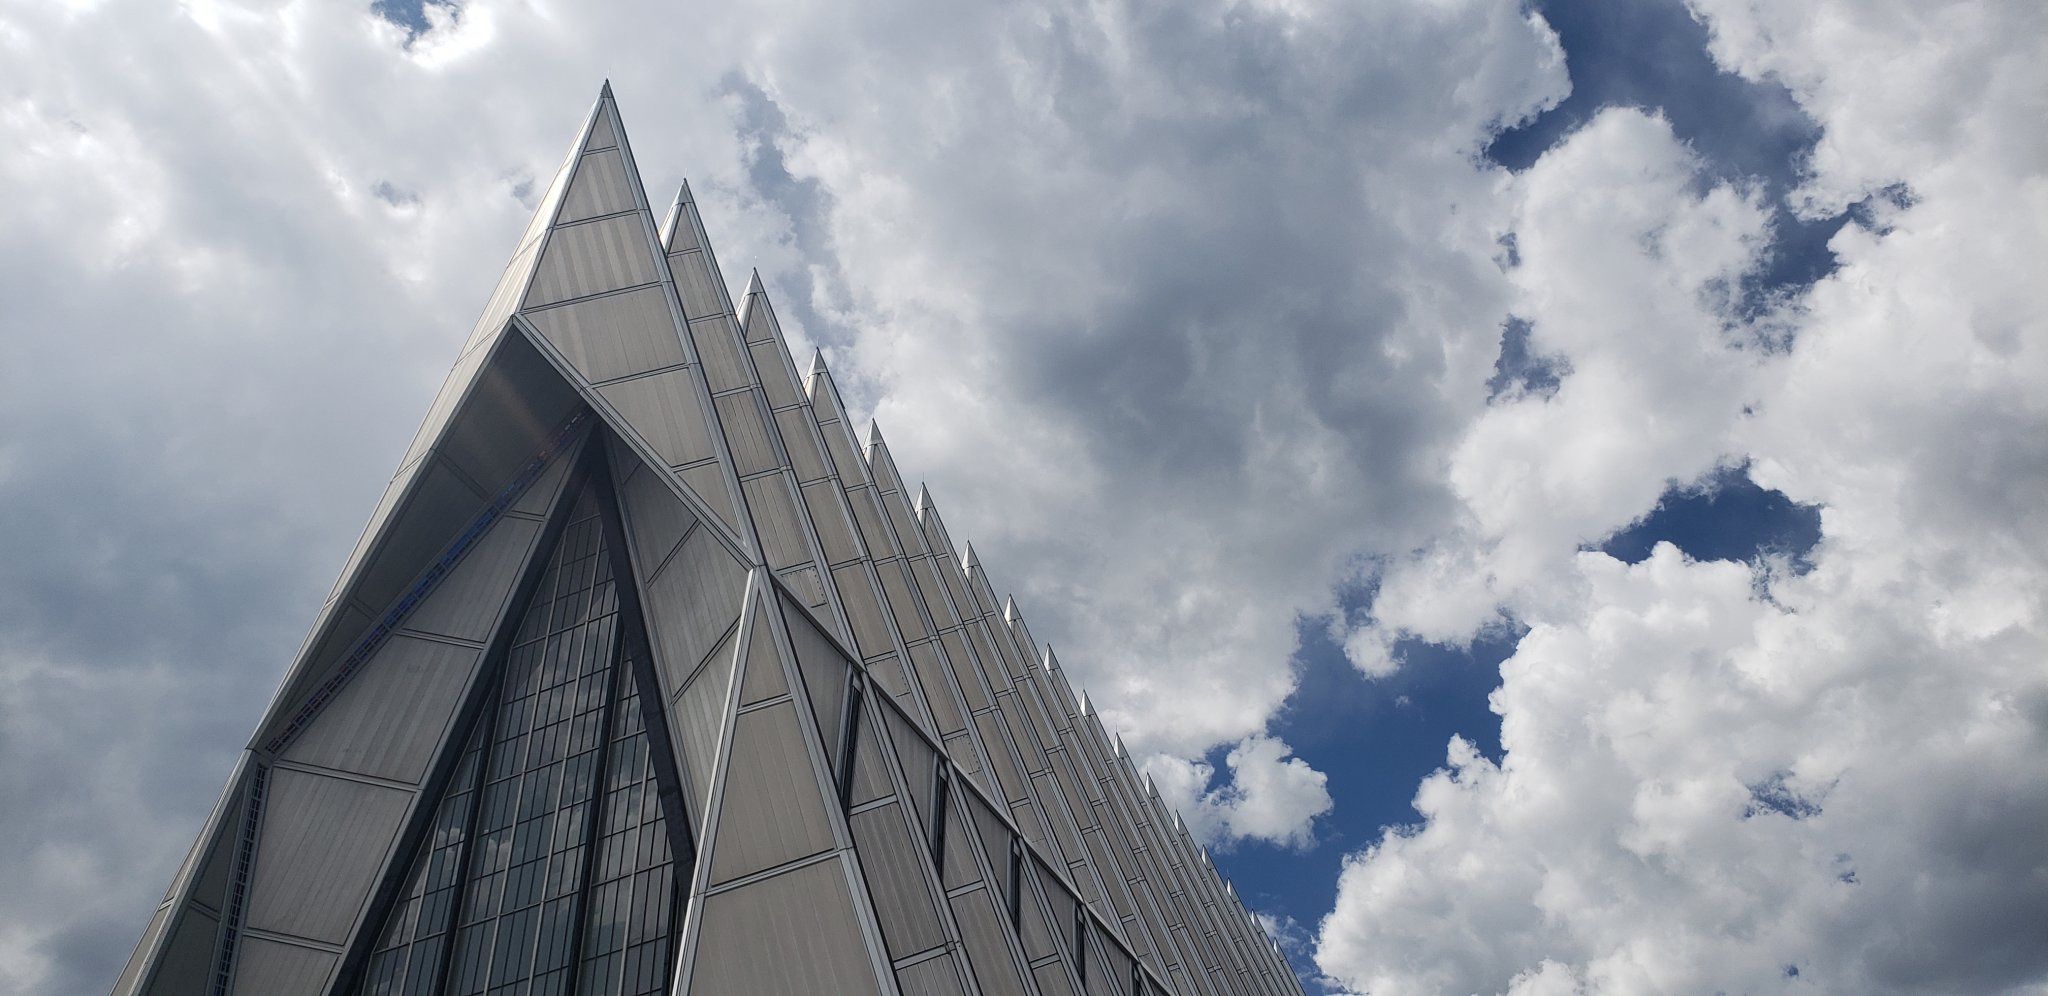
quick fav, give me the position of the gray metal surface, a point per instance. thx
(591, 257)
(601, 134)
(930, 668)
(806, 452)
(824, 673)
(698, 719)
(662, 407)
(323, 845)
(793, 934)
(1052, 979)
(894, 862)
(764, 679)
(753, 450)
(769, 359)
(931, 977)
(985, 934)
(871, 632)
(466, 604)
(724, 368)
(835, 533)
(771, 812)
(440, 504)
(655, 521)
(188, 959)
(131, 973)
(871, 775)
(390, 720)
(599, 187)
(775, 514)
(265, 967)
(707, 481)
(702, 293)
(960, 866)
(691, 604)
(617, 335)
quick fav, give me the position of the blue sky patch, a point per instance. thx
(1725, 517)
(1376, 740)
(1653, 54)
(409, 14)
(1518, 372)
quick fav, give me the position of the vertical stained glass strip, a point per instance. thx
(632, 895)
(547, 871)
(407, 959)
(527, 864)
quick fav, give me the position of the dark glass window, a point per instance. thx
(407, 959)
(548, 869)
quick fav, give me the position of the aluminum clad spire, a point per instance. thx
(649, 676)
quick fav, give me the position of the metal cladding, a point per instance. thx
(649, 676)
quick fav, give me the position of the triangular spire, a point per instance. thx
(601, 302)
(777, 903)
(763, 576)
(455, 463)
(747, 369)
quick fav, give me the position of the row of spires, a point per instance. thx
(818, 381)
(603, 316)
(875, 460)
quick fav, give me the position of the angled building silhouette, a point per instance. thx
(648, 677)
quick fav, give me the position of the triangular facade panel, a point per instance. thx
(649, 676)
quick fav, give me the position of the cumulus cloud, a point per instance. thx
(1728, 777)
(1633, 293)
(1211, 285)
(1267, 794)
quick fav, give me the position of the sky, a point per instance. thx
(1552, 492)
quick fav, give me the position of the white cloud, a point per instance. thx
(1268, 794)
(1633, 291)
(1172, 393)
(1725, 778)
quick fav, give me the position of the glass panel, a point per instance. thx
(549, 849)
(541, 785)
(407, 958)
(632, 909)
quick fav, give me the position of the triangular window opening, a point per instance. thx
(548, 869)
